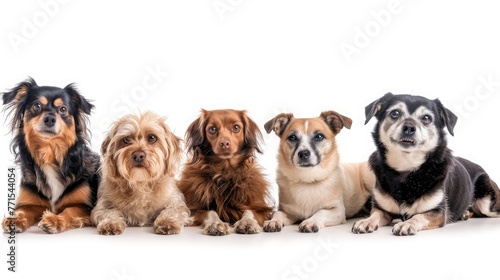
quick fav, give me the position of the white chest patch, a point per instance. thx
(421, 205)
(56, 187)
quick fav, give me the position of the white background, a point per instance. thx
(266, 57)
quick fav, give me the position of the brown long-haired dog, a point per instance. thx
(222, 183)
(59, 171)
(141, 158)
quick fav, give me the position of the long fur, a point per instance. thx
(59, 171)
(140, 193)
(229, 185)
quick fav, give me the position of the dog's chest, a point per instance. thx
(53, 187)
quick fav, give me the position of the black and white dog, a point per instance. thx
(418, 178)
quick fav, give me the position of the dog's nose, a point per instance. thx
(304, 154)
(138, 156)
(49, 120)
(409, 129)
(224, 144)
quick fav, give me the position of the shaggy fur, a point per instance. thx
(222, 183)
(141, 158)
(51, 144)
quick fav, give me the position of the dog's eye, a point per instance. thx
(127, 140)
(212, 130)
(395, 114)
(292, 138)
(236, 128)
(319, 137)
(63, 110)
(37, 107)
(152, 139)
(426, 119)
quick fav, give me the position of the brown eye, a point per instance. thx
(212, 130)
(127, 140)
(63, 110)
(37, 107)
(426, 119)
(152, 139)
(236, 128)
(395, 114)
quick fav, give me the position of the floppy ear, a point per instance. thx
(195, 133)
(336, 121)
(447, 116)
(174, 150)
(278, 124)
(15, 99)
(80, 102)
(373, 109)
(19, 92)
(107, 146)
(253, 136)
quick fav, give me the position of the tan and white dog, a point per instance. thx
(315, 189)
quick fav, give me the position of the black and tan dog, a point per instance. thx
(59, 171)
(418, 178)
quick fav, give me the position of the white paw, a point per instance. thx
(364, 226)
(404, 229)
(247, 226)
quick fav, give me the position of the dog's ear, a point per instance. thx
(80, 102)
(195, 133)
(16, 94)
(278, 124)
(447, 116)
(253, 136)
(174, 150)
(336, 121)
(107, 146)
(374, 108)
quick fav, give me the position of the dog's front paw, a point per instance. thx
(308, 226)
(216, 229)
(111, 227)
(167, 226)
(51, 223)
(273, 226)
(364, 226)
(17, 223)
(404, 229)
(247, 226)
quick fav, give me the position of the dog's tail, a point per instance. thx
(486, 191)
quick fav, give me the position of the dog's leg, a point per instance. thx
(75, 216)
(29, 210)
(279, 220)
(172, 219)
(108, 221)
(323, 218)
(73, 211)
(247, 224)
(377, 218)
(486, 197)
(213, 225)
(419, 222)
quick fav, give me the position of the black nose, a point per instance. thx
(138, 156)
(49, 121)
(304, 154)
(409, 129)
